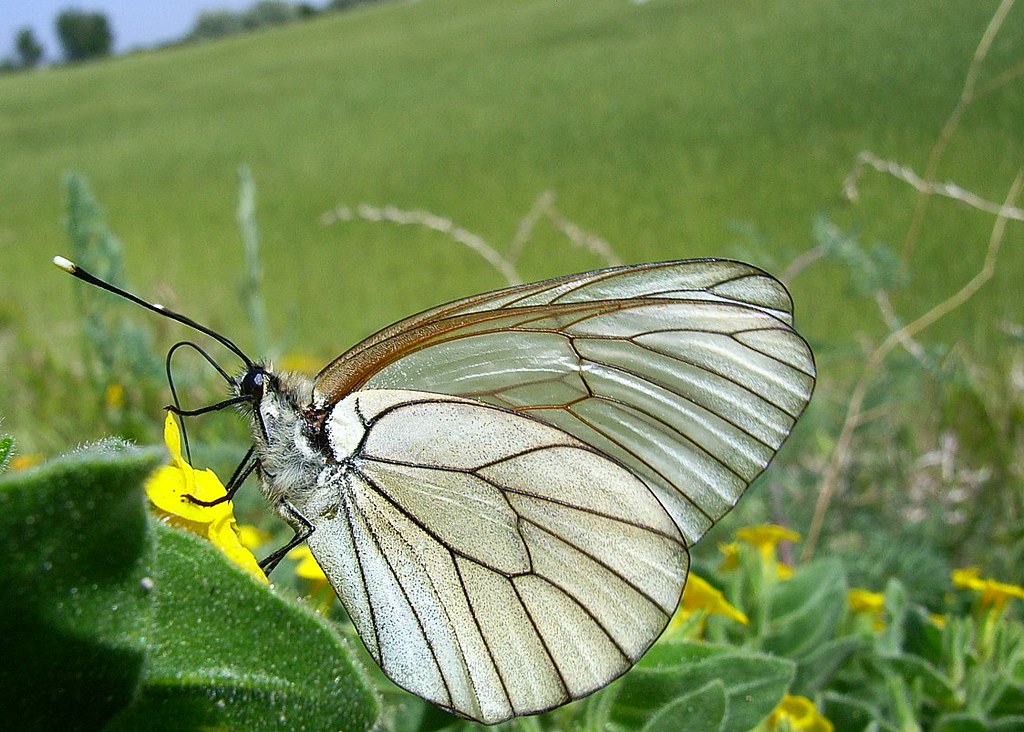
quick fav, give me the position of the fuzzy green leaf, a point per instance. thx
(753, 683)
(6, 450)
(76, 607)
(703, 710)
(846, 712)
(917, 672)
(815, 670)
(112, 619)
(960, 722)
(807, 609)
(227, 652)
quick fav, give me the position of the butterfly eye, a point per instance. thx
(253, 383)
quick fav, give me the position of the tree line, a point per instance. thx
(88, 35)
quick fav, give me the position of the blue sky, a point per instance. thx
(135, 22)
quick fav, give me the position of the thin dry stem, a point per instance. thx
(924, 186)
(524, 232)
(544, 207)
(967, 95)
(854, 413)
(404, 217)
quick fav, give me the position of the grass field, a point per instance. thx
(672, 129)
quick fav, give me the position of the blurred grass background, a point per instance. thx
(671, 129)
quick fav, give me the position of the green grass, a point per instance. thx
(659, 127)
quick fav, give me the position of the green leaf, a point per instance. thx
(807, 609)
(110, 619)
(703, 710)
(76, 607)
(815, 670)
(6, 450)
(960, 722)
(227, 652)
(753, 682)
(918, 673)
(846, 712)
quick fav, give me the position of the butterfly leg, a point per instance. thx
(302, 532)
(245, 467)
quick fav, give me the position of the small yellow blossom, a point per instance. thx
(252, 537)
(939, 621)
(798, 713)
(307, 568)
(730, 556)
(994, 594)
(766, 537)
(868, 604)
(114, 396)
(300, 362)
(700, 596)
(169, 487)
(24, 462)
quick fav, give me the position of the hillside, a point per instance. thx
(671, 129)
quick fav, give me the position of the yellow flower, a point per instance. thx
(868, 604)
(994, 594)
(700, 596)
(798, 713)
(252, 537)
(307, 568)
(766, 537)
(730, 556)
(114, 396)
(168, 489)
(301, 363)
(24, 462)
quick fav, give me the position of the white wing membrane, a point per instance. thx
(514, 534)
(689, 373)
(502, 579)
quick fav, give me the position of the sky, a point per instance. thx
(134, 22)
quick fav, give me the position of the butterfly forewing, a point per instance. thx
(689, 372)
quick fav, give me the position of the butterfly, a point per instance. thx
(503, 490)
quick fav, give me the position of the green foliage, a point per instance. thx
(84, 36)
(125, 375)
(29, 50)
(6, 451)
(111, 618)
(212, 24)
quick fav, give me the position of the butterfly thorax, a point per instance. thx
(288, 438)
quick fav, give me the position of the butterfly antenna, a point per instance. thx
(73, 269)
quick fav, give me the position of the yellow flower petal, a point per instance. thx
(251, 536)
(993, 593)
(224, 534)
(24, 462)
(307, 566)
(862, 600)
(701, 595)
(798, 713)
(766, 535)
(169, 489)
(730, 555)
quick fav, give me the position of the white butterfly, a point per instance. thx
(503, 490)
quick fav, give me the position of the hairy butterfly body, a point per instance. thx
(503, 490)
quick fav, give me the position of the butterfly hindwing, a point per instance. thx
(480, 577)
